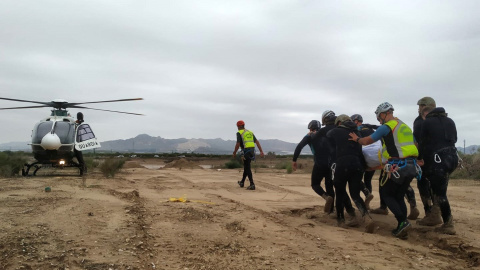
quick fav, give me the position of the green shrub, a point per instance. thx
(282, 165)
(11, 163)
(111, 166)
(91, 163)
(289, 168)
(233, 164)
(469, 169)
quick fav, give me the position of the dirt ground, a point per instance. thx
(192, 217)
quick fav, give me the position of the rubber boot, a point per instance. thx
(352, 220)
(414, 213)
(447, 227)
(432, 218)
(328, 203)
(368, 199)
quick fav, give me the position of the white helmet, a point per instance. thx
(328, 116)
(384, 107)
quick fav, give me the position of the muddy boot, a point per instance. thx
(341, 222)
(352, 220)
(447, 227)
(433, 218)
(379, 211)
(332, 215)
(368, 199)
(414, 213)
(369, 224)
(328, 203)
(240, 183)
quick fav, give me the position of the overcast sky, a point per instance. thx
(203, 65)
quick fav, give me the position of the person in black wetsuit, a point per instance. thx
(328, 120)
(79, 154)
(320, 169)
(365, 130)
(348, 167)
(432, 211)
(246, 140)
(437, 149)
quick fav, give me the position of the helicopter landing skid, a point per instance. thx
(38, 165)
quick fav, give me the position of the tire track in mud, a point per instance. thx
(141, 242)
(455, 247)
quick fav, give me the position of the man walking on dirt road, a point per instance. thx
(246, 140)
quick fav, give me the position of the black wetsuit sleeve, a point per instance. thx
(300, 146)
(239, 140)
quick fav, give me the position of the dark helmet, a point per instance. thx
(342, 118)
(427, 101)
(80, 117)
(328, 117)
(314, 124)
(357, 117)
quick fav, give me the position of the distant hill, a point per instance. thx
(472, 149)
(144, 143)
(15, 146)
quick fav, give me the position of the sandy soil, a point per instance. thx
(138, 221)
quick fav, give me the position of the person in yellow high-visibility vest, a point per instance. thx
(246, 140)
(401, 153)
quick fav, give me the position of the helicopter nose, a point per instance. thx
(51, 142)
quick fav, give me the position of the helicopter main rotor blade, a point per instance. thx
(81, 107)
(28, 107)
(105, 101)
(21, 100)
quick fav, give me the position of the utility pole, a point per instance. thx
(464, 147)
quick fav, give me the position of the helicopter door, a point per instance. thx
(85, 138)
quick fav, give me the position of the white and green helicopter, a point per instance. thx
(59, 138)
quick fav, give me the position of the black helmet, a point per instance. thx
(328, 117)
(314, 124)
(80, 117)
(357, 117)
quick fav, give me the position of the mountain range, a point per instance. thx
(144, 143)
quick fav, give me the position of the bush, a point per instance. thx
(91, 163)
(111, 166)
(11, 163)
(284, 165)
(469, 169)
(233, 164)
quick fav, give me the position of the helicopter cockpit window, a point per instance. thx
(65, 131)
(40, 130)
(84, 133)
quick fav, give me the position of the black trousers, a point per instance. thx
(393, 190)
(247, 168)
(367, 179)
(346, 172)
(438, 173)
(320, 172)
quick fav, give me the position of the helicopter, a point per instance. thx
(59, 138)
